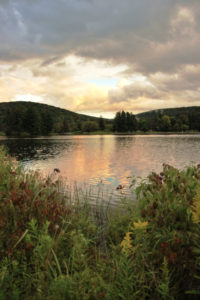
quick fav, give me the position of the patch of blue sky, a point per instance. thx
(110, 82)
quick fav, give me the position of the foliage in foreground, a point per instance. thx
(52, 248)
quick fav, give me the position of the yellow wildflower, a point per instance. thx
(196, 207)
(165, 264)
(126, 243)
(140, 225)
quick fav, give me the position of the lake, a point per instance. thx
(104, 162)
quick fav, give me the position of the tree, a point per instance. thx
(101, 123)
(143, 126)
(32, 121)
(133, 123)
(15, 118)
(194, 121)
(165, 123)
(117, 122)
(47, 123)
(123, 122)
(89, 126)
(128, 121)
(65, 127)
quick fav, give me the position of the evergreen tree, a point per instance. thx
(47, 123)
(133, 123)
(32, 122)
(65, 127)
(15, 121)
(79, 125)
(101, 123)
(117, 122)
(123, 122)
(128, 121)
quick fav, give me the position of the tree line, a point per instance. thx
(124, 121)
(32, 122)
(127, 122)
(32, 119)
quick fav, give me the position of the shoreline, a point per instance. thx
(104, 133)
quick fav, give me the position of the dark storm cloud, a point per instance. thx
(147, 35)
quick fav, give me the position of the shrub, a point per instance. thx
(163, 236)
(89, 126)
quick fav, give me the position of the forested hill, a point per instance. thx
(170, 119)
(21, 118)
(183, 119)
(172, 112)
(33, 119)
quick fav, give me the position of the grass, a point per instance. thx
(53, 247)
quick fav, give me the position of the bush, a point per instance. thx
(89, 126)
(163, 237)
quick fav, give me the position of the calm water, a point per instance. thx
(105, 161)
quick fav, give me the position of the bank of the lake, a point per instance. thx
(138, 132)
(53, 247)
(135, 133)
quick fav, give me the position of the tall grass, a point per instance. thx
(54, 248)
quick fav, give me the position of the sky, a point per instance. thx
(98, 57)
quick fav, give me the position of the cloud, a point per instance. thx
(51, 49)
(187, 78)
(138, 89)
(146, 36)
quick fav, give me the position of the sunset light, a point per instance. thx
(90, 56)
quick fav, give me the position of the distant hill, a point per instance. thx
(37, 118)
(32, 119)
(181, 119)
(170, 119)
(58, 112)
(172, 112)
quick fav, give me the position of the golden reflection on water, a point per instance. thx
(89, 161)
(105, 160)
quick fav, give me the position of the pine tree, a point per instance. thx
(15, 121)
(32, 122)
(123, 122)
(101, 123)
(117, 122)
(47, 123)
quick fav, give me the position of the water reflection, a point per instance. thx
(104, 160)
(33, 149)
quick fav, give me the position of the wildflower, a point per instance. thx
(196, 212)
(12, 172)
(140, 225)
(165, 262)
(56, 226)
(126, 243)
(196, 208)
